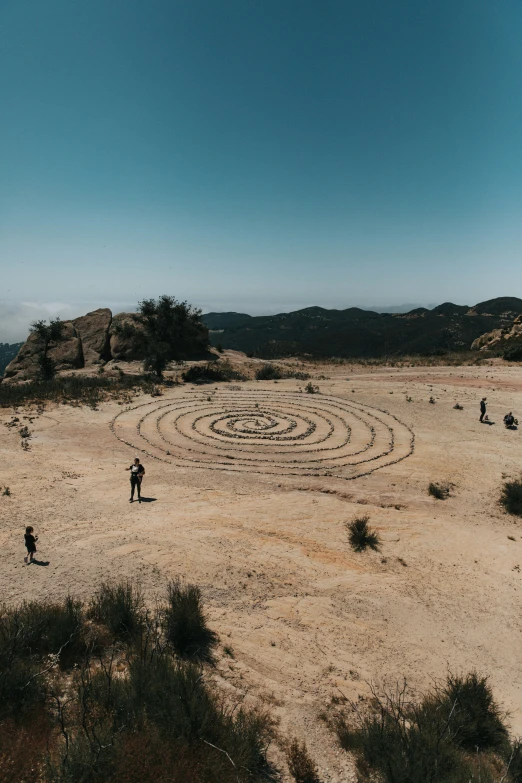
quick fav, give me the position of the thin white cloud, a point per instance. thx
(16, 317)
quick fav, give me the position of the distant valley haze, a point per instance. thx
(16, 317)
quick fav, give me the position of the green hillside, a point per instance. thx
(7, 353)
(361, 333)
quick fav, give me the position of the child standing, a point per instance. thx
(30, 544)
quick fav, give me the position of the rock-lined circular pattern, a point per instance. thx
(266, 431)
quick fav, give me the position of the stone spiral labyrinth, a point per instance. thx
(265, 431)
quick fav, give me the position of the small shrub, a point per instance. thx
(311, 389)
(54, 629)
(513, 353)
(6, 491)
(439, 491)
(475, 720)
(511, 497)
(402, 740)
(299, 376)
(212, 373)
(360, 535)
(458, 407)
(269, 372)
(301, 766)
(185, 622)
(120, 607)
(25, 432)
(21, 689)
(432, 400)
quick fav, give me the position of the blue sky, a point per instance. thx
(258, 155)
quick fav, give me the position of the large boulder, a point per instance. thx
(123, 347)
(93, 331)
(66, 353)
(25, 364)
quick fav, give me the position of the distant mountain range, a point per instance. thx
(355, 332)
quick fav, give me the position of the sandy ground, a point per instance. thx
(306, 617)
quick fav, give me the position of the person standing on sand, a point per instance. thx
(482, 408)
(136, 477)
(30, 544)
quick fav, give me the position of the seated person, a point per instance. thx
(509, 419)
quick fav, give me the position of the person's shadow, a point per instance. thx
(146, 500)
(40, 562)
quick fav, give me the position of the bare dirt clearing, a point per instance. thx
(250, 504)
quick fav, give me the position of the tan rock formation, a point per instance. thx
(88, 340)
(122, 347)
(93, 331)
(25, 364)
(498, 337)
(67, 354)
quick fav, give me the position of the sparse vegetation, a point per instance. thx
(126, 713)
(513, 353)
(212, 373)
(272, 372)
(6, 492)
(458, 407)
(46, 334)
(269, 372)
(311, 389)
(361, 537)
(300, 765)
(120, 607)
(439, 491)
(185, 622)
(511, 497)
(455, 733)
(74, 390)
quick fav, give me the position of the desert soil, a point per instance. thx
(248, 488)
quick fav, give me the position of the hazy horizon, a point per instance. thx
(16, 317)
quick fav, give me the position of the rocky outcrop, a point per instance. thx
(87, 341)
(93, 331)
(66, 354)
(25, 364)
(498, 338)
(122, 346)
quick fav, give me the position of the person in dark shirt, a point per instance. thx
(136, 477)
(482, 408)
(509, 420)
(30, 544)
